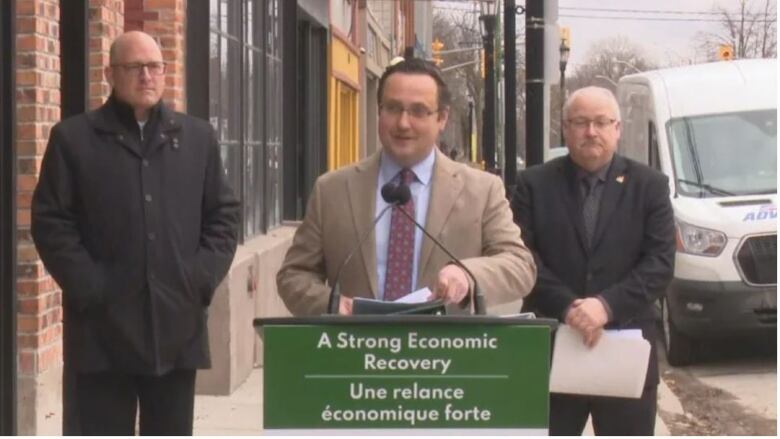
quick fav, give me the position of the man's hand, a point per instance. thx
(452, 285)
(345, 305)
(588, 316)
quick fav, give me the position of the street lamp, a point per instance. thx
(471, 151)
(487, 21)
(565, 49)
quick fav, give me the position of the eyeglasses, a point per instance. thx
(417, 111)
(582, 123)
(155, 68)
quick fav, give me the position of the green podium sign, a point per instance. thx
(475, 374)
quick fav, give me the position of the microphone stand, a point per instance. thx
(335, 293)
(477, 298)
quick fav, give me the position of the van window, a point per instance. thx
(653, 160)
(725, 154)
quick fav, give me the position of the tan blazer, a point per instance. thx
(468, 212)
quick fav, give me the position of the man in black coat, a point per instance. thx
(601, 229)
(134, 219)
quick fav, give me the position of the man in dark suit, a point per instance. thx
(601, 229)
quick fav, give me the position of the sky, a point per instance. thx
(667, 35)
(664, 41)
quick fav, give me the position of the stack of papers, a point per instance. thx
(419, 296)
(616, 366)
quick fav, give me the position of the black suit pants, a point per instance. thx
(108, 403)
(611, 416)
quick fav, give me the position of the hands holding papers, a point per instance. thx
(588, 316)
(345, 305)
(452, 285)
(588, 360)
(616, 366)
(419, 302)
(419, 296)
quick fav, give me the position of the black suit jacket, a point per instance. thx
(631, 260)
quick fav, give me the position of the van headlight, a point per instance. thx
(698, 240)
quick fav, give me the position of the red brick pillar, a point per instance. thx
(106, 22)
(164, 20)
(134, 15)
(39, 300)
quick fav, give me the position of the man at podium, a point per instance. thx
(464, 208)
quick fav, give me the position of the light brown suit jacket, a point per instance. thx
(468, 212)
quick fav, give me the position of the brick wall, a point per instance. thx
(106, 22)
(38, 109)
(134, 15)
(38, 104)
(164, 20)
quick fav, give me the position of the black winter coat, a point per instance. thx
(138, 231)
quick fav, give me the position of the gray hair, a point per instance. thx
(581, 92)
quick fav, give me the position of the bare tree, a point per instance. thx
(751, 31)
(608, 61)
(460, 30)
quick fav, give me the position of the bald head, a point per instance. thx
(131, 38)
(589, 94)
(591, 127)
(136, 72)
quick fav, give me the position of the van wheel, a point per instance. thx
(679, 347)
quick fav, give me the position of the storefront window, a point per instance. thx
(245, 84)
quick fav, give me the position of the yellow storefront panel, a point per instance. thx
(344, 90)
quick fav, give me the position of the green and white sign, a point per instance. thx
(477, 378)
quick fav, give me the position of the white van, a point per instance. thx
(712, 129)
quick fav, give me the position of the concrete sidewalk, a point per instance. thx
(241, 413)
(666, 402)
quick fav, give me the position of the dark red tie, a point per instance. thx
(400, 251)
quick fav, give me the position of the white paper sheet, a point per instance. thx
(419, 296)
(616, 366)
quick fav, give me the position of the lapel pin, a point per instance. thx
(621, 179)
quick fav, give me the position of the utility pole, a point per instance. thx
(565, 49)
(510, 93)
(489, 112)
(534, 82)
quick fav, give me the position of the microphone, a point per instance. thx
(399, 195)
(388, 190)
(396, 194)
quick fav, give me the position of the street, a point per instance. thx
(731, 390)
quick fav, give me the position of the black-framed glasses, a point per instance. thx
(155, 68)
(417, 111)
(582, 123)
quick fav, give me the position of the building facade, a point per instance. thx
(289, 87)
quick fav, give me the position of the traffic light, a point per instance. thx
(436, 47)
(725, 52)
(565, 32)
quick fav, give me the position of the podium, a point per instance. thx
(406, 374)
